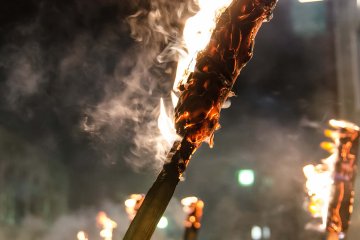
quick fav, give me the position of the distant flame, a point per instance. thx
(133, 204)
(196, 36)
(194, 208)
(320, 178)
(107, 225)
(81, 235)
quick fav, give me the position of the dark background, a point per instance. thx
(78, 107)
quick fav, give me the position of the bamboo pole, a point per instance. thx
(191, 233)
(159, 195)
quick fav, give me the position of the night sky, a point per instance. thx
(80, 83)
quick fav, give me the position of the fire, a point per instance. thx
(320, 179)
(166, 125)
(81, 235)
(194, 208)
(196, 36)
(133, 204)
(107, 225)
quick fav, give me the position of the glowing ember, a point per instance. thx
(81, 235)
(194, 208)
(106, 224)
(328, 182)
(133, 204)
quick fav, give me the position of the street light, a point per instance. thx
(163, 223)
(246, 177)
(256, 233)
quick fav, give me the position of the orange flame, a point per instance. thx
(107, 225)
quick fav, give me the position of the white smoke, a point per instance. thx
(131, 100)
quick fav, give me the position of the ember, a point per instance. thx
(330, 185)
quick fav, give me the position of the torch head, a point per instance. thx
(194, 208)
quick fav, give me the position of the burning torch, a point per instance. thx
(330, 185)
(106, 224)
(204, 86)
(194, 209)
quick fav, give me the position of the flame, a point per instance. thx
(320, 178)
(193, 207)
(133, 204)
(343, 124)
(166, 125)
(107, 225)
(196, 36)
(186, 202)
(81, 235)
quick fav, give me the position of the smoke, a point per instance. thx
(87, 65)
(142, 75)
(23, 63)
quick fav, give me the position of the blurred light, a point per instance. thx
(256, 233)
(266, 232)
(163, 223)
(81, 235)
(341, 235)
(307, 1)
(246, 177)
